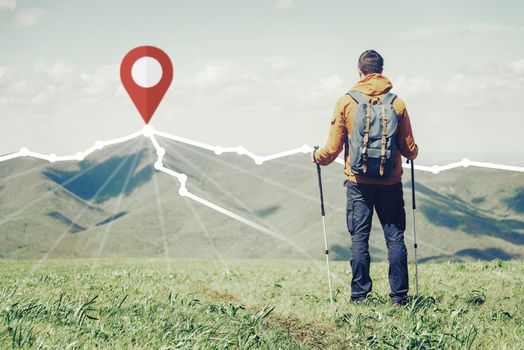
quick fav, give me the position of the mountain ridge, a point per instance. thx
(287, 202)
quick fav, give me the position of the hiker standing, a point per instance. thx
(373, 127)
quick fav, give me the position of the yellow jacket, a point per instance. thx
(342, 125)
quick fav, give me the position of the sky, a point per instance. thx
(263, 74)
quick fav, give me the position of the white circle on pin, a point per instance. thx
(146, 72)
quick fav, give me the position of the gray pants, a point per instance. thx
(388, 201)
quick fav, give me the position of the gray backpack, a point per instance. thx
(372, 143)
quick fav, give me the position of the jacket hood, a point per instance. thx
(373, 85)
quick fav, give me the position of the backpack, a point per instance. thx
(372, 143)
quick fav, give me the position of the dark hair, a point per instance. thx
(370, 62)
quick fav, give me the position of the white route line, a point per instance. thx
(435, 169)
(149, 132)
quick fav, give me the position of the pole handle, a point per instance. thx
(319, 175)
(413, 184)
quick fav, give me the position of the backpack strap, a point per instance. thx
(365, 141)
(362, 100)
(383, 140)
(389, 98)
(357, 96)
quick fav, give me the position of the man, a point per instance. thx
(382, 191)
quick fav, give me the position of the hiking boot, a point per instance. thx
(358, 301)
(400, 303)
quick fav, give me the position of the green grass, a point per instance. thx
(151, 304)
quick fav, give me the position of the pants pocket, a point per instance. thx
(402, 216)
(349, 217)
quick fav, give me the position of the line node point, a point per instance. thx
(161, 152)
(148, 130)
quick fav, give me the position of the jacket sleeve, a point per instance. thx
(337, 133)
(405, 140)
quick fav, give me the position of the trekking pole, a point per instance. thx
(323, 213)
(414, 227)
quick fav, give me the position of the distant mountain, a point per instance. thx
(114, 204)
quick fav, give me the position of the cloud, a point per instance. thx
(221, 75)
(278, 63)
(9, 5)
(104, 81)
(487, 87)
(497, 78)
(58, 107)
(6, 80)
(57, 85)
(518, 66)
(54, 69)
(462, 30)
(411, 86)
(276, 84)
(330, 86)
(464, 84)
(3, 73)
(27, 17)
(11, 85)
(285, 5)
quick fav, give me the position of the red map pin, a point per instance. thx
(146, 73)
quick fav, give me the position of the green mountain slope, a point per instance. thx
(114, 204)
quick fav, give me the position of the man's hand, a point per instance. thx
(313, 154)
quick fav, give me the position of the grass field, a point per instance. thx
(154, 304)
